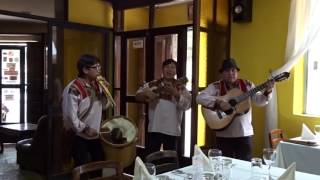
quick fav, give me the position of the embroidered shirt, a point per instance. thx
(242, 124)
(165, 115)
(78, 96)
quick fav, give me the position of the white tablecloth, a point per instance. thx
(242, 171)
(307, 158)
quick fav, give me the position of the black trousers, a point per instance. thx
(156, 139)
(239, 148)
(84, 150)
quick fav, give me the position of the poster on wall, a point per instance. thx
(10, 64)
(10, 110)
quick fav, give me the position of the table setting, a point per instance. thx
(304, 150)
(215, 166)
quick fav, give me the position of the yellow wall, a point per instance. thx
(222, 13)
(135, 19)
(172, 15)
(202, 83)
(259, 46)
(206, 14)
(77, 43)
(138, 18)
(93, 12)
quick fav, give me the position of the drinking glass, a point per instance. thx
(317, 131)
(226, 168)
(151, 168)
(256, 169)
(215, 156)
(269, 156)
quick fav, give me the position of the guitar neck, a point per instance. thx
(251, 92)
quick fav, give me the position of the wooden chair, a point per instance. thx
(165, 161)
(113, 167)
(275, 136)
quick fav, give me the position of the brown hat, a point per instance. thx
(227, 64)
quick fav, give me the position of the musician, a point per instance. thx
(167, 99)
(83, 103)
(236, 139)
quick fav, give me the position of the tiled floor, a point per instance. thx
(9, 169)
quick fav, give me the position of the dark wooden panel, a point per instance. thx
(126, 4)
(35, 75)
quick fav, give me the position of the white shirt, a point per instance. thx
(241, 125)
(73, 105)
(165, 116)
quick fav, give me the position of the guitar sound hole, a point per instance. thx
(233, 102)
(229, 111)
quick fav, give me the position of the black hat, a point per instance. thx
(227, 64)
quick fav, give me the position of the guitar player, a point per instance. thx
(235, 140)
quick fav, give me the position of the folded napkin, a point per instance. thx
(204, 159)
(289, 174)
(306, 133)
(140, 171)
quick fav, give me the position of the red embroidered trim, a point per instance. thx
(241, 84)
(81, 88)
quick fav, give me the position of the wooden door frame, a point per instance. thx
(149, 36)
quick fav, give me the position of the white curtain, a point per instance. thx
(303, 28)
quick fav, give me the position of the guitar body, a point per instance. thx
(221, 122)
(240, 101)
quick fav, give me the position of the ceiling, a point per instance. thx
(35, 7)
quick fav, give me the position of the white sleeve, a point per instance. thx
(70, 111)
(184, 102)
(208, 96)
(259, 98)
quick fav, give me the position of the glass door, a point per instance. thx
(135, 69)
(165, 47)
(142, 54)
(13, 83)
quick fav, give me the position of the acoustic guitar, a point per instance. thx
(239, 102)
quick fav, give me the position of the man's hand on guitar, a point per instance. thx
(169, 89)
(269, 87)
(223, 105)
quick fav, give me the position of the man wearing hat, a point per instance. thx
(236, 139)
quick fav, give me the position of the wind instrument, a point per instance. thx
(102, 82)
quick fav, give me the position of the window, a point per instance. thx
(312, 102)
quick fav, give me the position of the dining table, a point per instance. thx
(241, 170)
(305, 153)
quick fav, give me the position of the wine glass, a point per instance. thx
(269, 156)
(151, 168)
(215, 156)
(317, 131)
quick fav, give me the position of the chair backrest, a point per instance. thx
(166, 160)
(275, 136)
(113, 167)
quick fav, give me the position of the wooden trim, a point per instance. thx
(127, 4)
(61, 9)
(57, 22)
(204, 29)
(151, 16)
(195, 70)
(229, 30)
(158, 30)
(51, 114)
